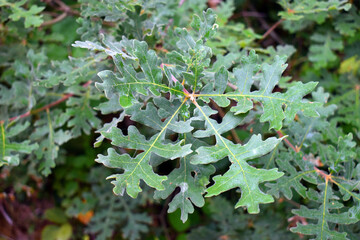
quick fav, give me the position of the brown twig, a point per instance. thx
(50, 105)
(269, 31)
(6, 215)
(55, 20)
(292, 202)
(287, 141)
(246, 14)
(265, 25)
(232, 86)
(323, 174)
(60, 6)
(296, 149)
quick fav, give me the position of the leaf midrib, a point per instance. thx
(155, 140)
(149, 83)
(226, 146)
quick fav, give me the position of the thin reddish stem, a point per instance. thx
(267, 33)
(287, 141)
(50, 105)
(327, 177)
(55, 20)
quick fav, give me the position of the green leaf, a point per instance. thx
(64, 232)
(56, 215)
(272, 102)
(322, 50)
(323, 215)
(113, 213)
(298, 9)
(228, 122)
(296, 170)
(348, 24)
(191, 187)
(165, 95)
(111, 10)
(240, 174)
(70, 72)
(207, 27)
(131, 82)
(151, 116)
(9, 150)
(50, 137)
(345, 152)
(191, 179)
(138, 168)
(31, 18)
(82, 116)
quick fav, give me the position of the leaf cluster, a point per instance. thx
(187, 104)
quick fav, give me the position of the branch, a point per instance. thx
(65, 9)
(50, 105)
(269, 31)
(247, 14)
(6, 215)
(232, 86)
(287, 141)
(323, 174)
(55, 20)
(60, 6)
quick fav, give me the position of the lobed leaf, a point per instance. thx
(323, 215)
(9, 150)
(138, 168)
(272, 102)
(240, 174)
(192, 181)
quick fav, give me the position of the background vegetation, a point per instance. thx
(56, 113)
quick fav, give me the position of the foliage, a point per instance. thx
(18, 12)
(186, 103)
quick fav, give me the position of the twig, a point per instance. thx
(292, 202)
(65, 9)
(269, 31)
(246, 14)
(252, 14)
(265, 25)
(61, 6)
(50, 105)
(55, 20)
(323, 174)
(232, 86)
(5, 215)
(287, 141)
(296, 149)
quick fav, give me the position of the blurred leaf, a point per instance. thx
(9, 151)
(56, 215)
(30, 15)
